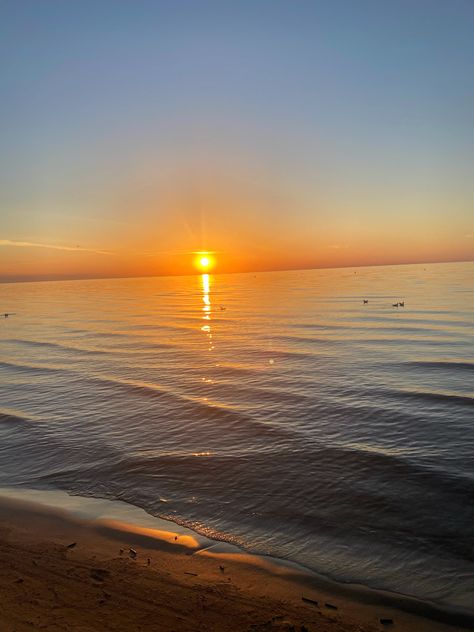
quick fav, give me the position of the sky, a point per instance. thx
(275, 134)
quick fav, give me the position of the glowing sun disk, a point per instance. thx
(204, 262)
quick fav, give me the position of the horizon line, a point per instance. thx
(52, 278)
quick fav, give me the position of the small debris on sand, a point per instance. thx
(308, 600)
(72, 545)
(330, 606)
(222, 569)
(148, 561)
(99, 574)
(132, 553)
(121, 552)
(189, 573)
(386, 621)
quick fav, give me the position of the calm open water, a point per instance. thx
(296, 422)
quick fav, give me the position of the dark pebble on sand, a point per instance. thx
(308, 600)
(99, 574)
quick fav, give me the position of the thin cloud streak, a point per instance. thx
(31, 244)
(178, 253)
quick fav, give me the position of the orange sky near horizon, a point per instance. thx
(250, 223)
(253, 219)
(30, 262)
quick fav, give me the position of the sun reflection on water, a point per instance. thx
(207, 309)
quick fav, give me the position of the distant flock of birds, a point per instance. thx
(222, 308)
(398, 304)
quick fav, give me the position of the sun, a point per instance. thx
(204, 261)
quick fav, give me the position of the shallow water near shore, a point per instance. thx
(275, 411)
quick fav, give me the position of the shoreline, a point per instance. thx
(100, 529)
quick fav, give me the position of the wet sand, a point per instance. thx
(92, 566)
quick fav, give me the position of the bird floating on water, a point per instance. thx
(366, 300)
(7, 314)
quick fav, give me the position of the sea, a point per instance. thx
(324, 417)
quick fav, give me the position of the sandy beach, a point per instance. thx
(63, 569)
